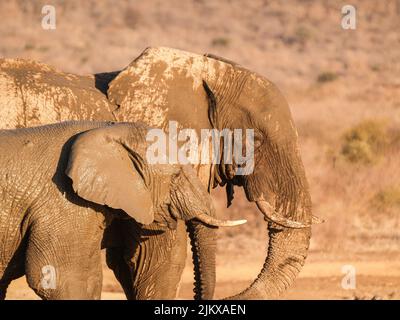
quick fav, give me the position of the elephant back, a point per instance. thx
(33, 93)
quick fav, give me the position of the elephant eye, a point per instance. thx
(258, 139)
(257, 142)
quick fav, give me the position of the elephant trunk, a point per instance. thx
(202, 233)
(287, 251)
(203, 242)
(286, 204)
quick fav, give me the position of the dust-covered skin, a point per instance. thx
(61, 187)
(34, 93)
(204, 91)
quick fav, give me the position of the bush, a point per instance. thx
(327, 77)
(222, 42)
(132, 18)
(29, 46)
(303, 34)
(388, 198)
(366, 142)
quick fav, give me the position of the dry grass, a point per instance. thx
(366, 143)
(334, 80)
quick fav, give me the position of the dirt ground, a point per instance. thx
(319, 279)
(343, 88)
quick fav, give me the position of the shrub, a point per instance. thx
(132, 18)
(29, 46)
(366, 142)
(394, 134)
(84, 59)
(302, 34)
(221, 41)
(375, 67)
(327, 76)
(388, 198)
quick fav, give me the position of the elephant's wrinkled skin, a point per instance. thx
(62, 184)
(198, 91)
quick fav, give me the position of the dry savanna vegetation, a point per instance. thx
(343, 87)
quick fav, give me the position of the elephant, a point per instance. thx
(62, 184)
(199, 92)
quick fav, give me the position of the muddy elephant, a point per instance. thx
(199, 92)
(62, 184)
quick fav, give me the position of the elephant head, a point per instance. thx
(205, 91)
(108, 166)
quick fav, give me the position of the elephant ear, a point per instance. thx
(212, 106)
(105, 171)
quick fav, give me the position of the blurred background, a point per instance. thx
(343, 87)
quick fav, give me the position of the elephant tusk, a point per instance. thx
(218, 223)
(271, 215)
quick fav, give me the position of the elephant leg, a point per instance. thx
(95, 276)
(3, 289)
(158, 264)
(53, 281)
(115, 261)
(12, 269)
(61, 267)
(116, 247)
(150, 264)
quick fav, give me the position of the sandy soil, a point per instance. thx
(319, 279)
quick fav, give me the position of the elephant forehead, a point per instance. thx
(160, 82)
(173, 63)
(160, 64)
